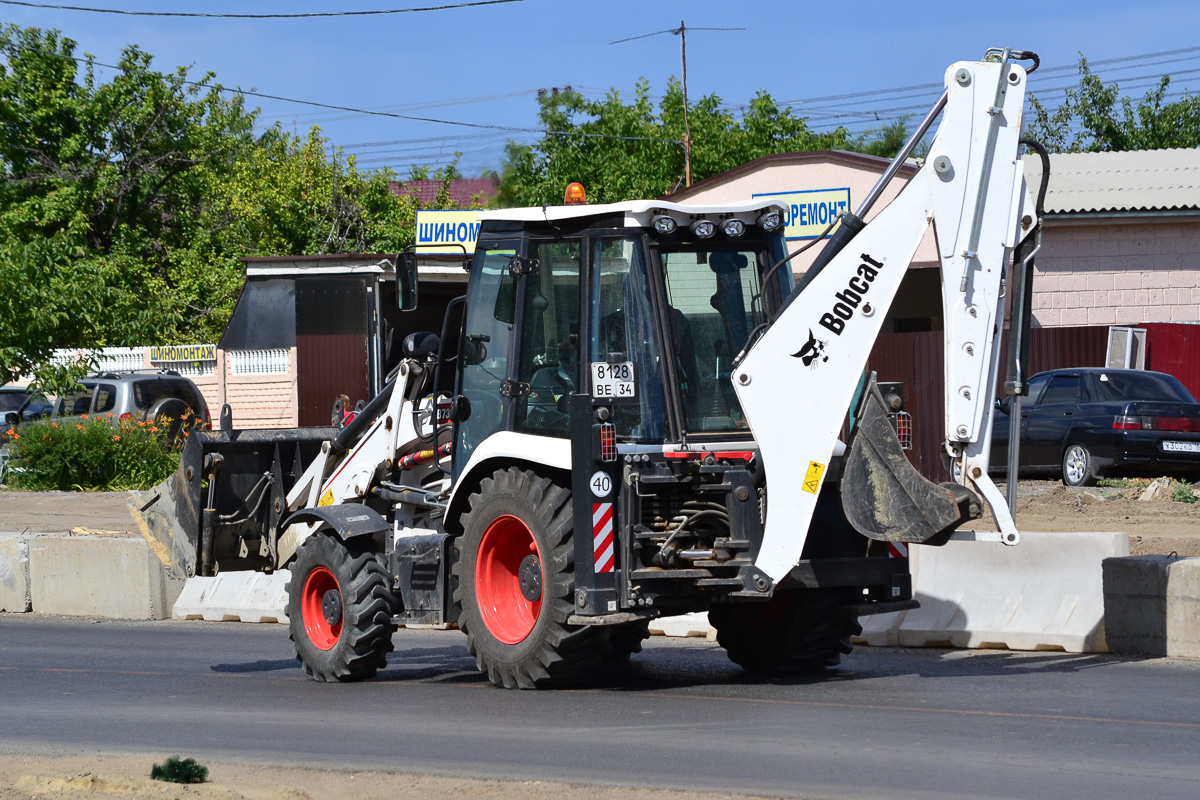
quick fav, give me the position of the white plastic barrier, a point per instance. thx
(1044, 594)
(682, 625)
(234, 596)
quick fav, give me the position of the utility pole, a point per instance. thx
(687, 134)
(681, 32)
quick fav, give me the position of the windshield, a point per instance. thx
(715, 302)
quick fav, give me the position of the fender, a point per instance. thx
(348, 521)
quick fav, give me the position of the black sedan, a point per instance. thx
(1084, 424)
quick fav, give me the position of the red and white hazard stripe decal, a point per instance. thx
(897, 550)
(602, 536)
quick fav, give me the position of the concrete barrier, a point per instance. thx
(1152, 606)
(113, 575)
(1044, 594)
(682, 625)
(234, 597)
(14, 572)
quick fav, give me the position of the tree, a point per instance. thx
(127, 204)
(1094, 117)
(622, 151)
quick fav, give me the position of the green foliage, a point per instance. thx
(1184, 493)
(127, 204)
(887, 140)
(621, 151)
(1094, 117)
(99, 453)
(176, 770)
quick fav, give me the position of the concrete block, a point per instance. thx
(1046, 593)
(112, 576)
(14, 572)
(683, 625)
(1152, 606)
(235, 597)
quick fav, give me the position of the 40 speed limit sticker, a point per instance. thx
(601, 484)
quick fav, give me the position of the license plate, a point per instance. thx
(1181, 447)
(615, 381)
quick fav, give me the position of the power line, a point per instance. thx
(257, 16)
(390, 114)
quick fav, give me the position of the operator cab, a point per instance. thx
(641, 305)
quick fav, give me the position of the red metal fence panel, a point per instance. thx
(1174, 348)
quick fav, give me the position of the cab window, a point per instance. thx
(550, 340)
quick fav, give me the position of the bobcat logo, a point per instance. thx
(813, 352)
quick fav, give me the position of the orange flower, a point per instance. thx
(153, 429)
(85, 416)
(116, 438)
(53, 424)
(110, 415)
(185, 433)
(78, 426)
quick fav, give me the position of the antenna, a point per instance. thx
(681, 32)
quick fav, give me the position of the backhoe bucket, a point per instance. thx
(221, 508)
(883, 495)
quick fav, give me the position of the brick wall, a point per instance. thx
(1117, 273)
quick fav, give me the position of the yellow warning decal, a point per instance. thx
(812, 480)
(327, 498)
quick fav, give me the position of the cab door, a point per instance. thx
(485, 349)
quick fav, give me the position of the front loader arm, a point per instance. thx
(798, 380)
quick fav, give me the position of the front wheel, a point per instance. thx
(340, 609)
(1078, 469)
(514, 581)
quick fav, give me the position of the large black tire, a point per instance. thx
(796, 630)
(340, 609)
(519, 533)
(622, 641)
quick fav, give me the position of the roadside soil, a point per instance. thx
(24, 777)
(1159, 526)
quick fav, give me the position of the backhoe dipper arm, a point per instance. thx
(797, 381)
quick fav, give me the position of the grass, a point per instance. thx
(177, 770)
(1183, 492)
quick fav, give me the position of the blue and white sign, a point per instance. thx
(808, 213)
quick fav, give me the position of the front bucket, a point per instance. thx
(236, 480)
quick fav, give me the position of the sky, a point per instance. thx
(483, 65)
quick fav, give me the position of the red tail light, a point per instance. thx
(608, 442)
(1127, 423)
(1183, 424)
(126, 416)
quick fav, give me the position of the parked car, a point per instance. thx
(1083, 424)
(12, 398)
(163, 396)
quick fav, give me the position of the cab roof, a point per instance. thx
(637, 213)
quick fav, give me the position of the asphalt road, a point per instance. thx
(890, 723)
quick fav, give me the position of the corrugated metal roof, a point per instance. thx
(1142, 180)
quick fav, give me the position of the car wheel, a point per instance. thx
(1077, 466)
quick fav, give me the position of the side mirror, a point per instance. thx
(1002, 404)
(406, 280)
(12, 418)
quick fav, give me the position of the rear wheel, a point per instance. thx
(795, 630)
(340, 609)
(514, 581)
(1078, 468)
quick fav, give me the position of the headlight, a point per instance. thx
(664, 224)
(770, 221)
(733, 228)
(703, 229)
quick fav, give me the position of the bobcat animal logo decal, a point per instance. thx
(813, 352)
